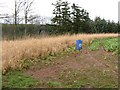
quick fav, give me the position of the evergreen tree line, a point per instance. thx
(74, 19)
(67, 19)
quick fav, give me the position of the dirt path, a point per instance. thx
(85, 61)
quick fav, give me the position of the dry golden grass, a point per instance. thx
(14, 51)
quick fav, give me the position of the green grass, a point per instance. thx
(95, 45)
(109, 44)
(54, 84)
(90, 78)
(16, 79)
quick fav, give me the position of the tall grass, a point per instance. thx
(13, 52)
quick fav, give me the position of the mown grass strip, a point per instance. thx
(17, 79)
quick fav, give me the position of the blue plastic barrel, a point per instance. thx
(79, 44)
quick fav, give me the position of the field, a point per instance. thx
(54, 62)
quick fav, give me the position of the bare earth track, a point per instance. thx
(84, 61)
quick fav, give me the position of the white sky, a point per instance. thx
(107, 9)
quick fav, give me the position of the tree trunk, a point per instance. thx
(15, 13)
(25, 18)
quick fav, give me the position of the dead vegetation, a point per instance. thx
(14, 52)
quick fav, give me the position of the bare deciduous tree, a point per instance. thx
(27, 8)
(14, 17)
(8, 19)
(18, 7)
(37, 19)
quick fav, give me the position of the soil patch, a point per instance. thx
(85, 60)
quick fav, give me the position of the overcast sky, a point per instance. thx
(107, 9)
